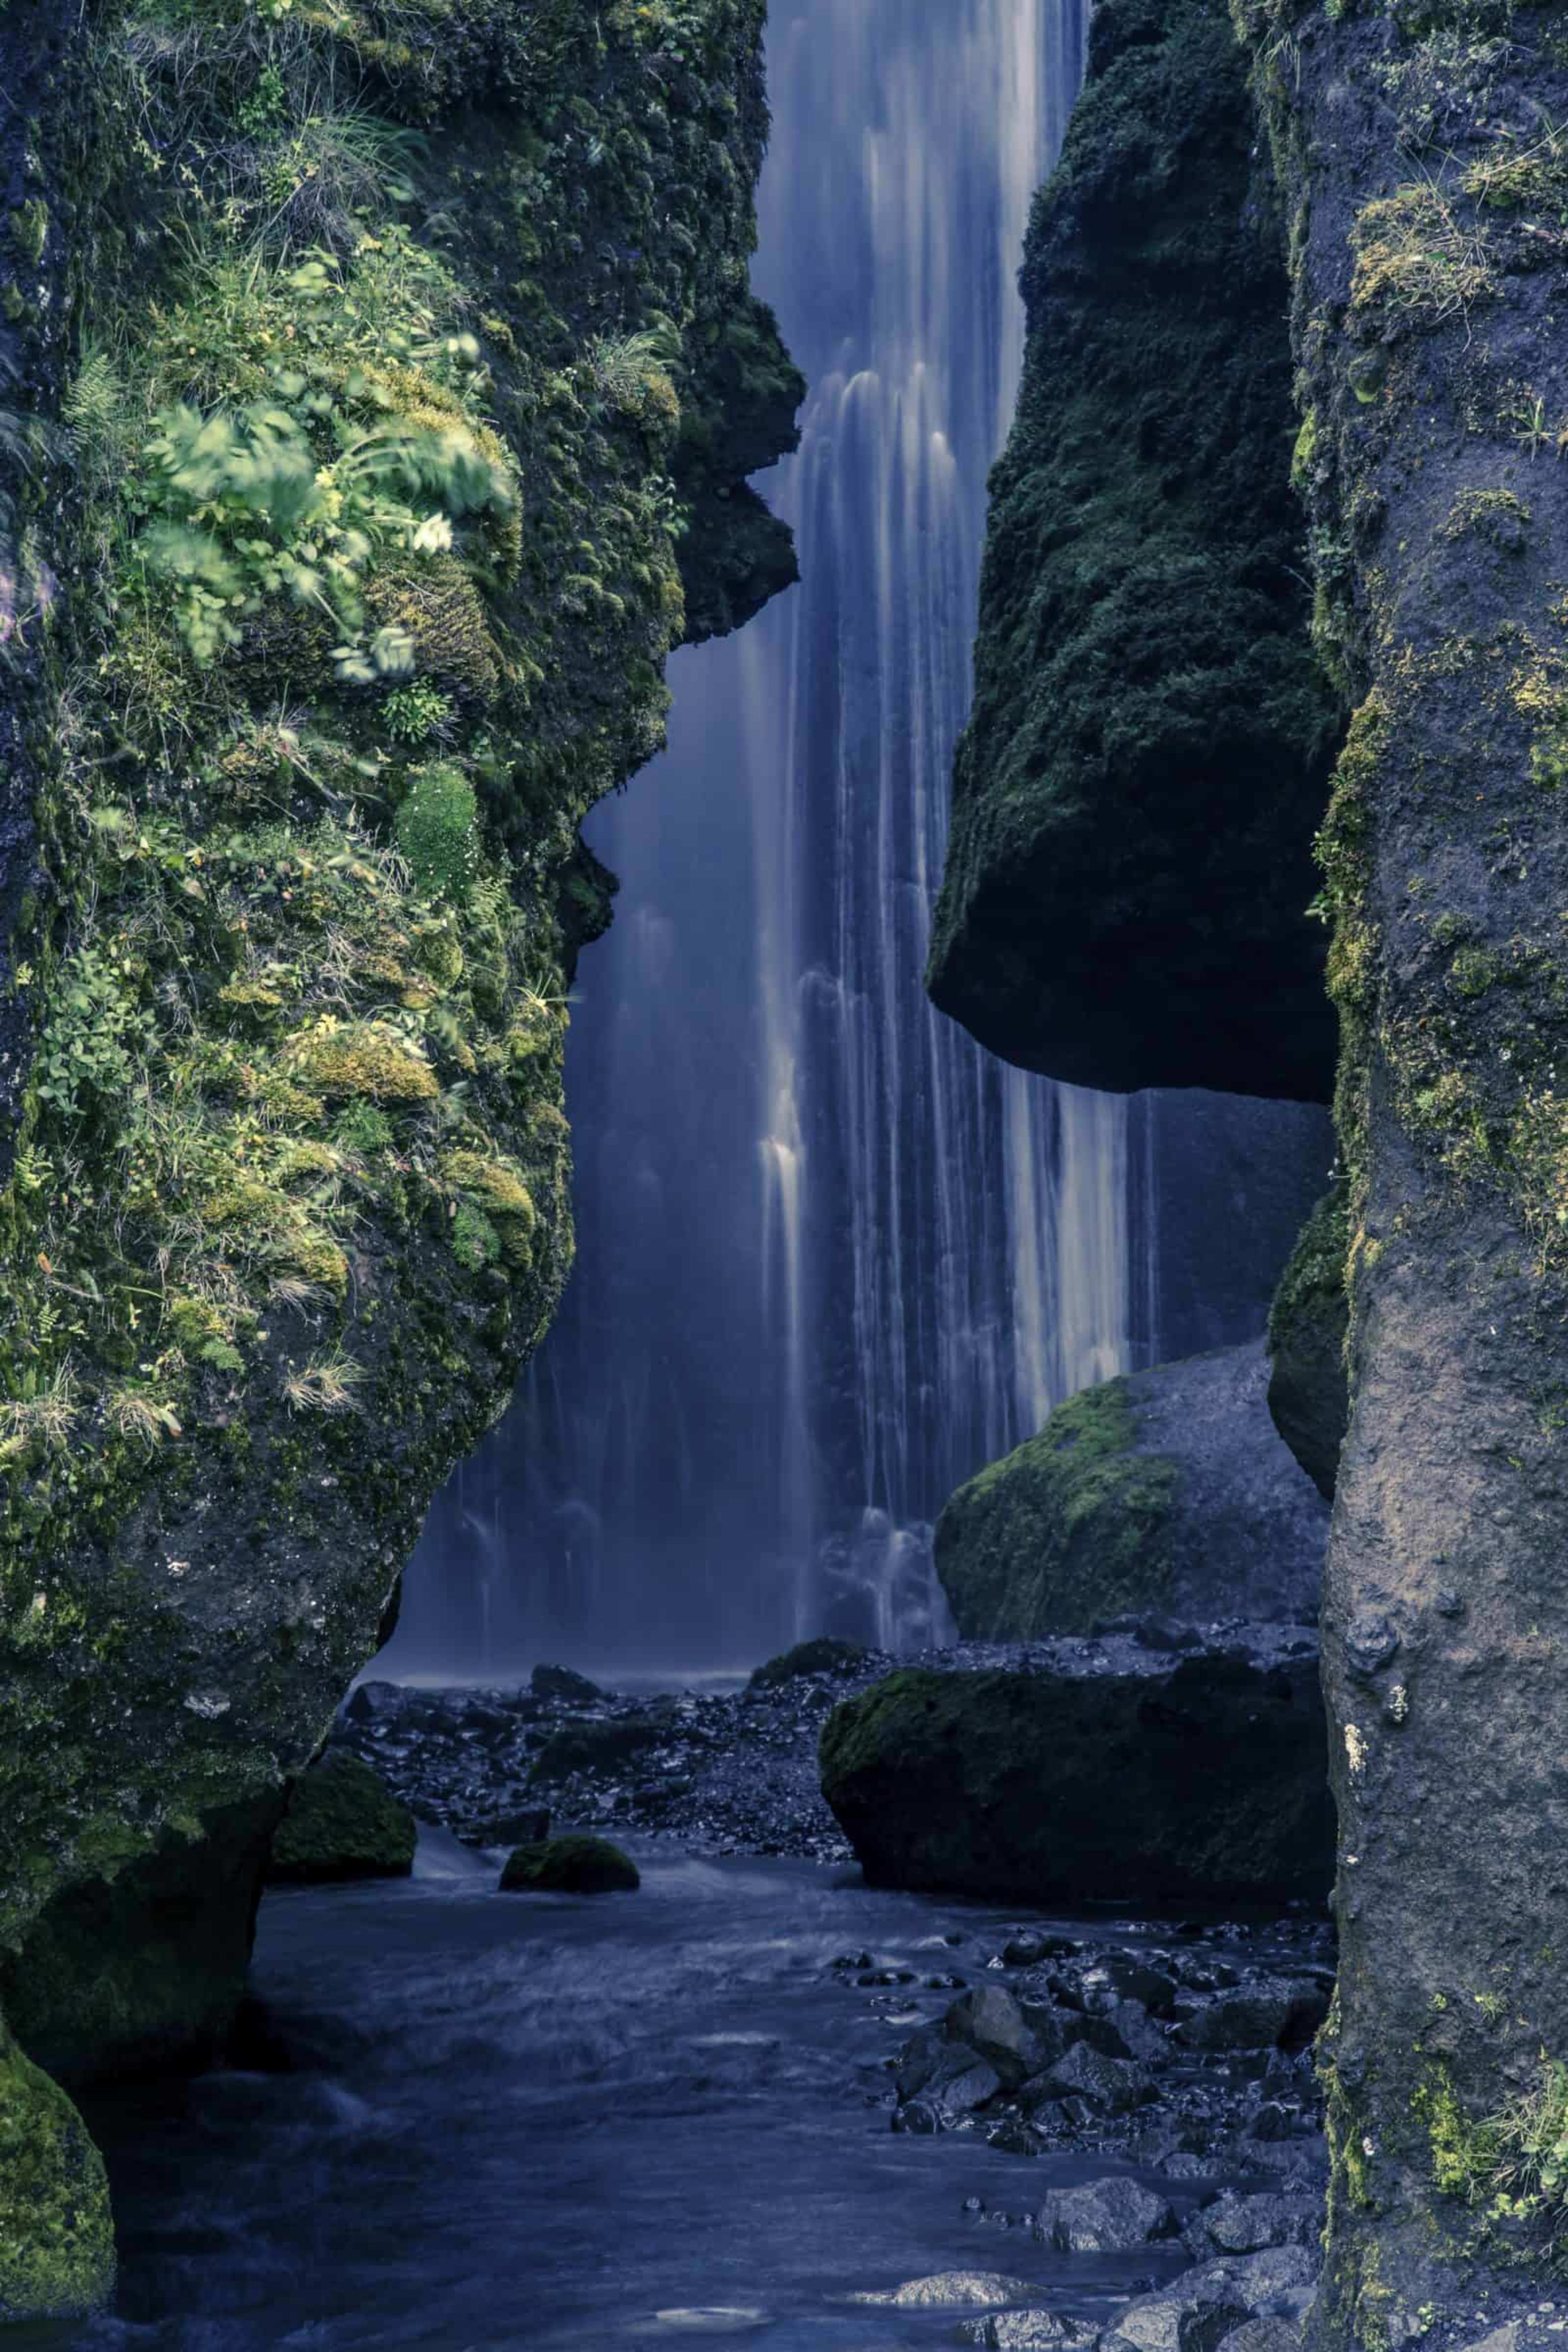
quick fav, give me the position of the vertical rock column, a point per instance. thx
(1426, 189)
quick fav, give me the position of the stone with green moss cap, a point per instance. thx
(570, 1865)
(342, 1822)
(1094, 1771)
(1165, 1493)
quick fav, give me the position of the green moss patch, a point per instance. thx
(341, 1823)
(57, 2241)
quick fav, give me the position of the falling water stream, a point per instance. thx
(832, 1256)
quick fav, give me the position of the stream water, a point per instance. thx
(536, 2122)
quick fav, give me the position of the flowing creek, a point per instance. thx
(494, 2121)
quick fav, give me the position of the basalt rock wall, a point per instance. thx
(1425, 178)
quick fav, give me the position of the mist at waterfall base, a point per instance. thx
(832, 1258)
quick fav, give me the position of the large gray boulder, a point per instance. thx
(1169, 1493)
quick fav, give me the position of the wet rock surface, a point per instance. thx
(723, 1773)
(739, 1771)
(1150, 2089)
(1168, 1491)
(1195, 2168)
(1157, 1765)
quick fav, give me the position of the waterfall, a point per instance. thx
(832, 1258)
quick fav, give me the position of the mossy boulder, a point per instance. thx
(1308, 1384)
(1165, 1493)
(342, 1822)
(825, 1655)
(1100, 1771)
(56, 2241)
(1146, 764)
(570, 1865)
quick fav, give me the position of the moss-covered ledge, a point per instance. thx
(413, 348)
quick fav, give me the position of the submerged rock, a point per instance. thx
(570, 1865)
(1093, 1770)
(341, 1823)
(1168, 1493)
(1031, 2331)
(953, 2291)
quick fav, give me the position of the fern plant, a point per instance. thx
(298, 496)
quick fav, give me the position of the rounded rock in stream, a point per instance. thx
(341, 1823)
(570, 1865)
(953, 2291)
(1103, 2217)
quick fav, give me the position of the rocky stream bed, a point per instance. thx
(760, 2101)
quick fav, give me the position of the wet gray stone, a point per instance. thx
(1103, 2217)
(1112, 2085)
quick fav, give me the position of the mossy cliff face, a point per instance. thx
(1166, 1494)
(1425, 186)
(1135, 798)
(41, 156)
(1308, 1391)
(409, 350)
